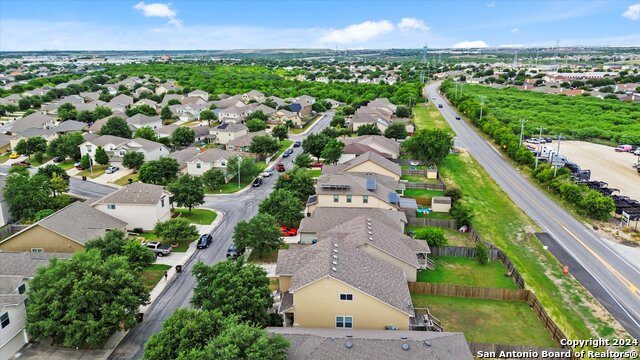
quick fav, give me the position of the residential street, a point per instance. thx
(609, 277)
(178, 293)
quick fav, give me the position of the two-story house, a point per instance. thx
(138, 204)
(226, 132)
(108, 142)
(369, 162)
(199, 93)
(379, 144)
(150, 149)
(209, 159)
(35, 120)
(253, 95)
(141, 120)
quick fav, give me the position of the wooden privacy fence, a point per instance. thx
(460, 251)
(412, 185)
(524, 349)
(415, 221)
(414, 172)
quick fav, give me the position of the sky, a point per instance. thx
(195, 25)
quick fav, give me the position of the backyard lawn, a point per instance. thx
(487, 321)
(271, 257)
(123, 181)
(314, 172)
(152, 274)
(198, 216)
(305, 127)
(467, 271)
(422, 192)
(435, 215)
(97, 171)
(418, 179)
(455, 237)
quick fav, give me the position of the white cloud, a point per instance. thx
(159, 10)
(514, 30)
(408, 24)
(358, 32)
(471, 44)
(491, 4)
(633, 12)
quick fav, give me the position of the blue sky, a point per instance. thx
(187, 25)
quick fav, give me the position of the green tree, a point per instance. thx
(116, 243)
(429, 145)
(233, 288)
(261, 233)
(173, 102)
(101, 156)
(117, 127)
(160, 171)
(318, 106)
(433, 235)
(26, 195)
(332, 151)
(58, 178)
(30, 146)
(303, 160)
(66, 145)
(176, 230)
(297, 181)
(84, 300)
(396, 131)
(597, 206)
(403, 112)
(284, 206)
(183, 136)
(184, 331)
(213, 179)
(482, 253)
(86, 116)
(141, 109)
(101, 112)
(67, 111)
(85, 162)
(368, 129)
(188, 191)
(165, 113)
(258, 114)
(280, 132)
(454, 193)
(146, 133)
(338, 121)
(461, 213)
(246, 166)
(133, 160)
(208, 116)
(256, 125)
(264, 145)
(314, 144)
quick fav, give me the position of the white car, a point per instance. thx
(637, 152)
(267, 173)
(433, 98)
(112, 169)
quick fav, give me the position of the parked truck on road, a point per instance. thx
(159, 248)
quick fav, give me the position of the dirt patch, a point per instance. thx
(605, 165)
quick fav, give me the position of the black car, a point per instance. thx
(235, 251)
(204, 241)
(257, 182)
(58, 159)
(297, 143)
(285, 154)
(457, 117)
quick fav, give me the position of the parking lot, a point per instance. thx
(605, 165)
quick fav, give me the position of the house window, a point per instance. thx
(111, 206)
(336, 198)
(223, 163)
(4, 320)
(344, 322)
(162, 202)
(123, 153)
(88, 148)
(37, 250)
(22, 289)
(365, 199)
(198, 166)
(346, 297)
(348, 198)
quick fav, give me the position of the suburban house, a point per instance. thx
(265, 109)
(190, 112)
(108, 142)
(305, 100)
(253, 95)
(280, 117)
(369, 162)
(168, 97)
(90, 106)
(166, 87)
(243, 142)
(166, 130)
(209, 159)
(226, 132)
(150, 149)
(233, 114)
(47, 134)
(363, 118)
(193, 100)
(141, 90)
(331, 344)
(98, 124)
(147, 102)
(138, 204)
(66, 230)
(16, 269)
(278, 101)
(325, 218)
(356, 190)
(202, 135)
(35, 120)
(379, 144)
(70, 126)
(141, 120)
(301, 108)
(183, 156)
(228, 102)
(5, 215)
(199, 93)
(120, 103)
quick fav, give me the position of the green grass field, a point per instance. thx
(418, 179)
(97, 171)
(427, 116)
(67, 164)
(284, 144)
(435, 215)
(422, 192)
(270, 257)
(152, 274)
(455, 237)
(198, 216)
(314, 172)
(467, 271)
(35, 163)
(305, 127)
(123, 181)
(487, 321)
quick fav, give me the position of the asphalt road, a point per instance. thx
(614, 281)
(178, 293)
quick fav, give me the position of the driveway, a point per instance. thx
(108, 179)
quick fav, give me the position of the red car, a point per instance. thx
(288, 231)
(280, 167)
(316, 164)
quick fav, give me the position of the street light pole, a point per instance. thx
(538, 154)
(555, 163)
(521, 131)
(482, 98)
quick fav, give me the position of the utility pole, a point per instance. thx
(521, 130)
(539, 148)
(456, 89)
(482, 99)
(239, 160)
(555, 163)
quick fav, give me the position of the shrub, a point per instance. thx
(454, 193)
(482, 253)
(461, 213)
(433, 235)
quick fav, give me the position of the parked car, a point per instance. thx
(78, 166)
(14, 155)
(234, 251)
(637, 152)
(297, 143)
(433, 98)
(440, 106)
(280, 167)
(159, 248)
(267, 173)
(457, 117)
(204, 241)
(23, 163)
(285, 154)
(288, 231)
(257, 182)
(112, 169)
(317, 164)
(58, 159)
(624, 148)
(549, 140)
(289, 150)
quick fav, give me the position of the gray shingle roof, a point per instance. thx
(167, 129)
(391, 146)
(12, 299)
(212, 155)
(142, 143)
(324, 218)
(230, 127)
(357, 184)
(136, 193)
(245, 140)
(24, 264)
(329, 344)
(142, 119)
(109, 139)
(368, 156)
(70, 125)
(9, 284)
(184, 155)
(35, 120)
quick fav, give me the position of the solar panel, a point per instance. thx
(371, 184)
(334, 187)
(394, 198)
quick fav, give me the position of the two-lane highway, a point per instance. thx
(611, 279)
(178, 293)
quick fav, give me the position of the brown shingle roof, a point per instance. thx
(324, 218)
(136, 193)
(374, 157)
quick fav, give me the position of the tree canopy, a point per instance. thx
(116, 243)
(298, 182)
(183, 136)
(188, 191)
(429, 145)
(332, 151)
(314, 144)
(284, 206)
(117, 127)
(159, 171)
(176, 230)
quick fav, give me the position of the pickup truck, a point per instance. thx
(159, 248)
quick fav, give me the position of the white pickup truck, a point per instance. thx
(159, 248)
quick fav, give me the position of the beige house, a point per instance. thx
(379, 144)
(66, 231)
(281, 117)
(369, 162)
(226, 132)
(47, 134)
(209, 159)
(243, 142)
(253, 95)
(140, 205)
